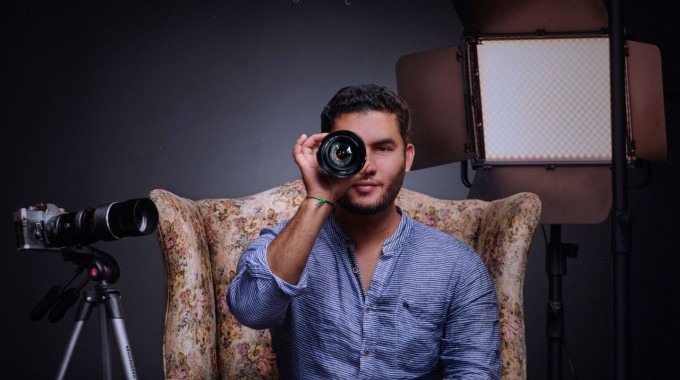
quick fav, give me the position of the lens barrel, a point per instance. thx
(135, 217)
(341, 154)
(113, 221)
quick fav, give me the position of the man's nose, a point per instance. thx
(368, 168)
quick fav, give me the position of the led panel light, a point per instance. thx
(542, 100)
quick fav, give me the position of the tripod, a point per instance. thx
(110, 318)
(103, 268)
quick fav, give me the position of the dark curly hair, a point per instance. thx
(367, 97)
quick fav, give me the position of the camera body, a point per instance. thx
(341, 154)
(30, 223)
(48, 227)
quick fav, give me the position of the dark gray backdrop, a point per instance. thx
(104, 101)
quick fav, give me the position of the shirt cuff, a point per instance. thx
(260, 261)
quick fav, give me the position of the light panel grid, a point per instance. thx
(545, 100)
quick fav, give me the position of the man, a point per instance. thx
(351, 287)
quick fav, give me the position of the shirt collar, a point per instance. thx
(390, 246)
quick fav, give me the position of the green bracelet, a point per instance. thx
(320, 201)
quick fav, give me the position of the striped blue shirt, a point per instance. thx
(430, 310)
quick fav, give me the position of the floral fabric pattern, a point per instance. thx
(201, 242)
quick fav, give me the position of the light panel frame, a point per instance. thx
(538, 99)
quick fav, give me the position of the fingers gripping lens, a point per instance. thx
(341, 154)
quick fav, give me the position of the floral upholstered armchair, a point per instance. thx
(201, 241)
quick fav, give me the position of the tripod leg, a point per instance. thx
(69, 349)
(107, 369)
(114, 311)
(83, 314)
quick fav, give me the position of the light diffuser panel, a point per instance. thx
(545, 100)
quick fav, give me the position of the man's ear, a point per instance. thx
(409, 154)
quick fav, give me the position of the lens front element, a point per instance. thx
(341, 154)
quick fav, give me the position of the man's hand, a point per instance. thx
(316, 182)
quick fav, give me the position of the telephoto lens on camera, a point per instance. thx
(113, 221)
(341, 154)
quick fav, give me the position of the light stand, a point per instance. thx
(102, 268)
(480, 97)
(556, 267)
(621, 220)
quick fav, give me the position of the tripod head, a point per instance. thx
(101, 267)
(97, 265)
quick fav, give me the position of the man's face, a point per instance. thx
(387, 160)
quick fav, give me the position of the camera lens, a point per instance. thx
(134, 217)
(341, 154)
(113, 221)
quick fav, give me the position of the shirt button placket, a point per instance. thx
(367, 354)
(366, 364)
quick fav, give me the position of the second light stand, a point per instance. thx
(556, 268)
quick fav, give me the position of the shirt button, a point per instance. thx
(367, 309)
(355, 270)
(366, 352)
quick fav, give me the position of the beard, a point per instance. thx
(385, 201)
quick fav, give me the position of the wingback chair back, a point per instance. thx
(201, 241)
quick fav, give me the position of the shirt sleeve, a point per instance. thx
(256, 297)
(471, 344)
